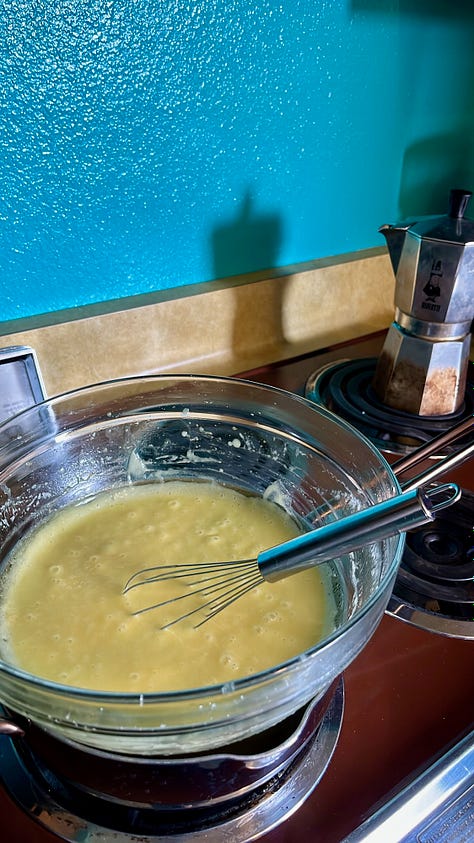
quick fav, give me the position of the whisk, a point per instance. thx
(219, 584)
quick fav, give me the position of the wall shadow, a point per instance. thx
(248, 243)
(450, 157)
(431, 166)
(446, 9)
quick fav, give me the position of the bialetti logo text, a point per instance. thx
(432, 288)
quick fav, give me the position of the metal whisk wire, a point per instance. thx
(225, 582)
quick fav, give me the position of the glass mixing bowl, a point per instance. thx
(255, 438)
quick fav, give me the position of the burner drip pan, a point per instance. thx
(77, 812)
(345, 387)
(436, 576)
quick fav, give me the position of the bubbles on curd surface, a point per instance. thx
(64, 615)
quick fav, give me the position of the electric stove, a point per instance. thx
(408, 696)
(396, 733)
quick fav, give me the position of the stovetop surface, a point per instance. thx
(408, 696)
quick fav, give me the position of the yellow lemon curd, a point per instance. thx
(65, 616)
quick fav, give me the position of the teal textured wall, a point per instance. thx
(148, 144)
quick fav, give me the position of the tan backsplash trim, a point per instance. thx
(218, 329)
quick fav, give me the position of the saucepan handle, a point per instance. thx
(462, 433)
(10, 728)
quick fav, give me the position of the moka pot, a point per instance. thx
(423, 364)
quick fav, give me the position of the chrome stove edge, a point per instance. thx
(438, 805)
